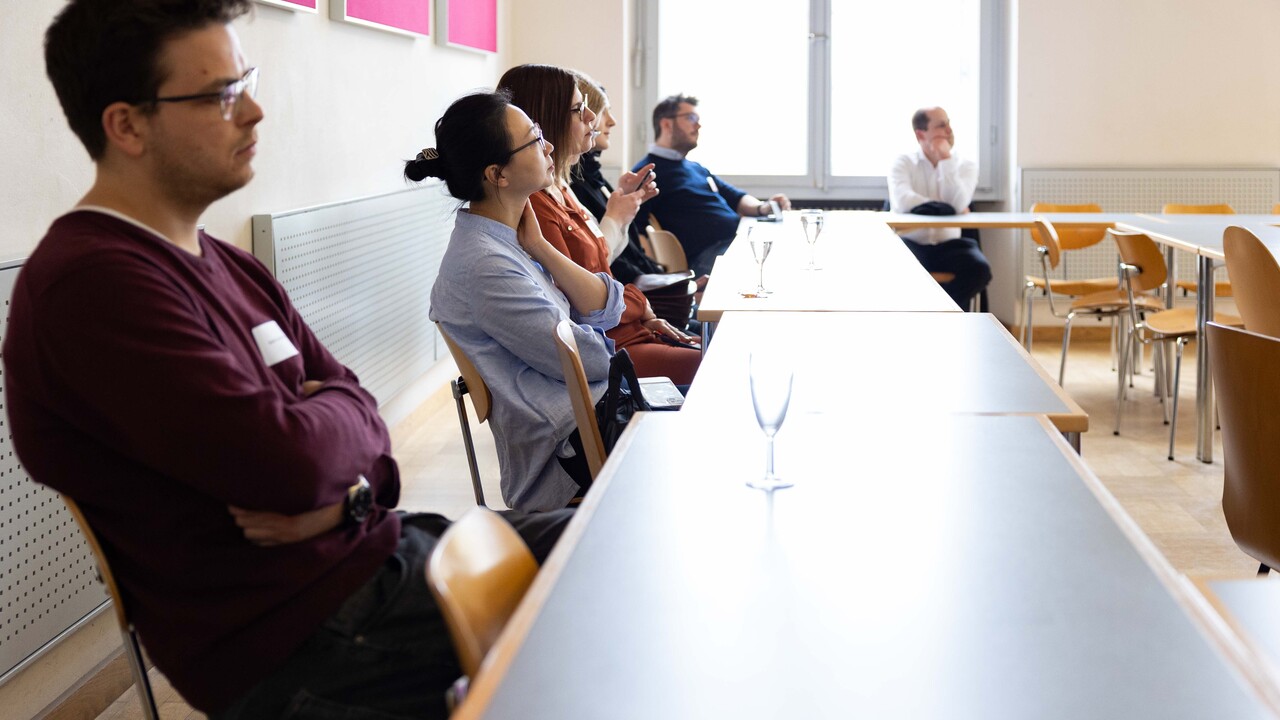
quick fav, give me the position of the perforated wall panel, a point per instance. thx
(48, 580)
(360, 273)
(1142, 191)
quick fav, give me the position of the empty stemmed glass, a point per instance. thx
(761, 244)
(771, 379)
(812, 221)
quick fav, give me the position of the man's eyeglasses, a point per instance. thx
(537, 138)
(227, 96)
(580, 110)
(693, 117)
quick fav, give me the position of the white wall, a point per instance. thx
(594, 37)
(345, 106)
(1148, 83)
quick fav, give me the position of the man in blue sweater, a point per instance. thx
(699, 208)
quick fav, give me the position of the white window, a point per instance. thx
(815, 98)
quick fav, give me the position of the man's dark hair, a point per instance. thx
(920, 121)
(669, 107)
(98, 52)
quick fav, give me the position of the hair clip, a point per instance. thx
(428, 154)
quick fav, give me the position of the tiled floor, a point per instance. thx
(1176, 503)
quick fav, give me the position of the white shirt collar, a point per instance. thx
(665, 152)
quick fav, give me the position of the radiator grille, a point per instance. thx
(1133, 191)
(360, 273)
(48, 579)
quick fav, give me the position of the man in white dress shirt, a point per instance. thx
(934, 181)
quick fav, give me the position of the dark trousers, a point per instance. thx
(702, 262)
(386, 653)
(962, 258)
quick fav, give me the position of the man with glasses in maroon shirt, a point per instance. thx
(238, 476)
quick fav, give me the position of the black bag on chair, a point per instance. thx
(619, 403)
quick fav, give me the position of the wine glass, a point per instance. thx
(812, 221)
(771, 378)
(761, 244)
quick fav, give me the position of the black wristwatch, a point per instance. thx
(359, 502)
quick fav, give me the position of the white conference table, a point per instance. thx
(894, 365)
(1249, 608)
(958, 566)
(1201, 235)
(866, 268)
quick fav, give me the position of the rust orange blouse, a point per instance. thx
(572, 231)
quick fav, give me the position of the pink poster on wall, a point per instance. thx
(470, 24)
(403, 16)
(307, 5)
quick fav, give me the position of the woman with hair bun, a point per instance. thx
(502, 289)
(550, 96)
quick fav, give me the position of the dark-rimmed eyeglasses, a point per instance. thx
(693, 117)
(537, 138)
(227, 97)
(580, 110)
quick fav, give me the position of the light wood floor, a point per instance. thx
(1178, 504)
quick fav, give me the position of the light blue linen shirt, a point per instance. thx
(502, 308)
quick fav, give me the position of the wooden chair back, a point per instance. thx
(1275, 209)
(478, 572)
(132, 646)
(667, 250)
(1185, 209)
(584, 409)
(1046, 236)
(479, 391)
(1139, 250)
(1072, 238)
(1255, 278)
(1244, 370)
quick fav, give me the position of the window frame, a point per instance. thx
(818, 183)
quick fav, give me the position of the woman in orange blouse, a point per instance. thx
(550, 96)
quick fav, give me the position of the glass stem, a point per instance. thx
(760, 284)
(769, 458)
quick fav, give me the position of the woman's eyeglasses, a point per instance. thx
(537, 138)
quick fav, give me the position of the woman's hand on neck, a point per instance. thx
(503, 206)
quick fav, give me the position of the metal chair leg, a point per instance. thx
(1026, 316)
(1066, 343)
(141, 682)
(459, 388)
(1125, 359)
(1263, 570)
(1177, 376)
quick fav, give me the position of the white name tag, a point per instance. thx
(711, 182)
(593, 227)
(272, 343)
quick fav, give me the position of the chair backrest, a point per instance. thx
(667, 250)
(1255, 279)
(1275, 209)
(133, 648)
(478, 572)
(1185, 209)
(1244, 370)
(584, 410)
(1141, 251)
(1046, 236)
(1072, 238)
(480, 397)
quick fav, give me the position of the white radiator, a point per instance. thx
(360, 273)
(1135, 191)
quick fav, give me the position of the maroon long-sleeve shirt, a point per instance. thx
(136, 385)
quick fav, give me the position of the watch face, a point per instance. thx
(359, 501)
